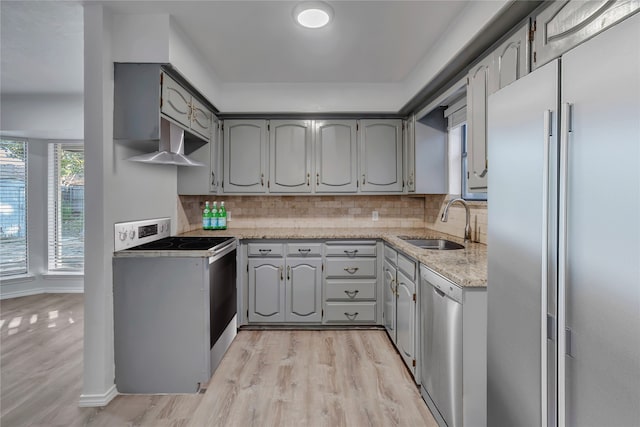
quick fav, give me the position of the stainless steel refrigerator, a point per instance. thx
(563, 331)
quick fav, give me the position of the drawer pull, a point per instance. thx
(351, 316)
(304, 251)
(351, 270)
(264, 251)
(351, 253)
(351, 294)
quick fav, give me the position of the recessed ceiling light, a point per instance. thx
(313, 14)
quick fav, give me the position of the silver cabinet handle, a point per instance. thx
(213, 178)
(304, 251)
(363, 179)
(351, 316)
(264, 251)
(281, 272)
(394, 289)
(351, 294)
(288, 272)
(351, 253)
(262, 179)
(308, 179)
(317, 179)
(351, 270)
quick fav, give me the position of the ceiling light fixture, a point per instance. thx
(313, 14)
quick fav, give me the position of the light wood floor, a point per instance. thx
(267, 378)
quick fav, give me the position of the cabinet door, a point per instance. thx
(290, 156)
(245, 156)
(406, 319)
(336, 156)
(380, 155)
(389, 295)
(201, 123)
(409, 144)
(477, 127)
(510, 60)
(175, 101)
(564, 25)
(266, 290)
(304, 290)
(216, 156)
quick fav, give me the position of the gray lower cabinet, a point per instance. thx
(350, 283)
(401, 312)
(285, 282)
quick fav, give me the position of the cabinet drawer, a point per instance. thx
(391, 254)
(407, 266)
(350, 312)
(264, 249)
(351, 250)
(304, 249)
(362, 267)
(350, 289)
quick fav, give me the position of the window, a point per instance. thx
(66, 207)
(13, 207)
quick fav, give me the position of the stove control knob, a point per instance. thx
(132, 234)
(122, 235)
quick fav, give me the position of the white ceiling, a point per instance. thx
(249, 45)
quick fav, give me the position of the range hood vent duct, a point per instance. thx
(171, 148)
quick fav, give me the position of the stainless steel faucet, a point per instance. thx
(467, 226)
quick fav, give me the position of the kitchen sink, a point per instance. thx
(435, 244)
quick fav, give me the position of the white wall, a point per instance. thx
(42, 116)
(115, 190)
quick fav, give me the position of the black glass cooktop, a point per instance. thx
(182, 244)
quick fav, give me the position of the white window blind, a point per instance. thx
(13, 207)
(66, 207)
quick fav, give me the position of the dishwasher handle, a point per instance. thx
(438, 291)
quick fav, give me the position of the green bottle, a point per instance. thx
(206, 217)
(222, 217)
(214, 216)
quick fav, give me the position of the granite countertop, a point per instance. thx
(466, 267)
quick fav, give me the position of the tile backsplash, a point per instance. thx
(337, 212)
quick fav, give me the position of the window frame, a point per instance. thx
(25, 271)
(53, 204)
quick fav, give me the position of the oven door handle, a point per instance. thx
(220, 252)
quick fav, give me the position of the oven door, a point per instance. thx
(222, 290)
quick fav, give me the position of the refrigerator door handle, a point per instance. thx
(565, 125)
(548, 132)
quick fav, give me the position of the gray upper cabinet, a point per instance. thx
(176, 101)
(380, 143)
(201, 119)
(409, 150)
(510, 60)
(565, 24)
(245, 156)
(178, 104)
(203, 180)
(477, 92)
(290, 156)
(336, 159)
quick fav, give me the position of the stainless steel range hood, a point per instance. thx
(170, 149)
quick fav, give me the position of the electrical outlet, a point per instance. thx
(374, 215)
(228, 216)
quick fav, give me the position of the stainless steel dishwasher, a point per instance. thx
(441, 361)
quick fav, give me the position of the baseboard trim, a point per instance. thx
(38, 291)
(98, 400)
